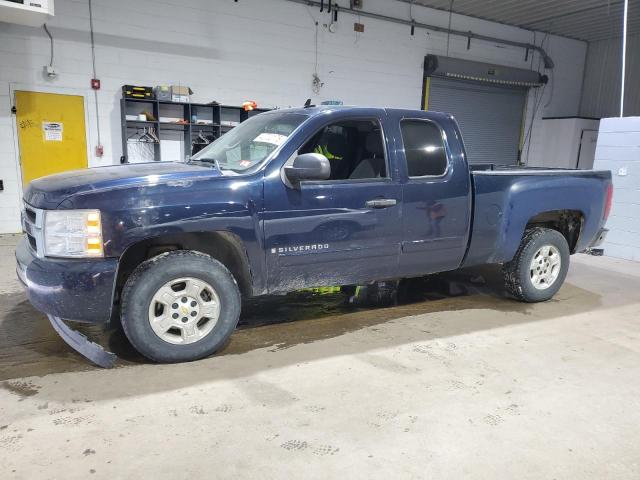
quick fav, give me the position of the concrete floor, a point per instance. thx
(440, 386)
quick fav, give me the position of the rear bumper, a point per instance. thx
(80, 290)
(599, 238)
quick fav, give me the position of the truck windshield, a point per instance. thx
(250, 143)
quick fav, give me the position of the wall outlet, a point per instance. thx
(622, 172)
(99, 150)
(50, 71)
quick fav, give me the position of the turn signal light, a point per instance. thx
(94, 247)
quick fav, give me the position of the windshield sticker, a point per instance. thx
(272, 138)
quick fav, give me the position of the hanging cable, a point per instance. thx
(537, 101)
(413, 22)
(449, 29)
(317, 83)
(553, 83)
(46, 29)
(93, 63)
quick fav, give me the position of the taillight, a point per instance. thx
(607, 203)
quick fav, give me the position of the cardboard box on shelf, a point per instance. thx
(181, 93)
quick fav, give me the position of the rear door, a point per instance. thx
(436, 198)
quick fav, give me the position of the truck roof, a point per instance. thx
(346, 110)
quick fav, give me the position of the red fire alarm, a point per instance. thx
(95, 84)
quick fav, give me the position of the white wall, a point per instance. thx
(601, 92)
(618, 150)
(253, 49)
(561, 145)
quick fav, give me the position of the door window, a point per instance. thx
(354, 148)
(423, 148)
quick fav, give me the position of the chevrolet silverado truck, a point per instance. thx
(292, 199)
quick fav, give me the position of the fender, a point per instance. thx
(505, 203)
(208, 204)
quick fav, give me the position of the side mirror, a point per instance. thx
(308, 166)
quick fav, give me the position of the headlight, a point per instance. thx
(72, 233)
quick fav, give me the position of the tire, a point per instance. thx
(539, 281)
(178, 334)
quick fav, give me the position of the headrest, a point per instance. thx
(336, 144)
(373, 144)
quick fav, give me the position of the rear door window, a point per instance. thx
(423, 148)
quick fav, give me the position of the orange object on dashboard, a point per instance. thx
(250, 105)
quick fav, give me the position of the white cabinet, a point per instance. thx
(32, 13)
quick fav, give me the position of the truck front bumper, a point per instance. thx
(80, 290)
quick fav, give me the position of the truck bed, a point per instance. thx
(506, 198)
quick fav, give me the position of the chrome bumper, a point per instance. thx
(599, 238)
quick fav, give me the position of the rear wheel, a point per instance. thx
(539, 267)
(180, 306)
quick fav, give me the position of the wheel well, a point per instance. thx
(568, 222)
(225, 247)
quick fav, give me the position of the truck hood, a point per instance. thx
(49, 192)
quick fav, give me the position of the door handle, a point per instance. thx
(381, 203)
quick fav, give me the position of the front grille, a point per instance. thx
(31, 214)
(32, 242)
(32, 224)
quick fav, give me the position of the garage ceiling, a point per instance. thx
(588, 20)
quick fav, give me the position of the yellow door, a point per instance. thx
(51, 133)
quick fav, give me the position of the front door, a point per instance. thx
(51, 133)
(344, 230)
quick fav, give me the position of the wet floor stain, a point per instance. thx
(30, 347)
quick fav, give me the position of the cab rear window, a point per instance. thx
(423, 148)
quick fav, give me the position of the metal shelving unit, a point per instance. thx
(212, 120)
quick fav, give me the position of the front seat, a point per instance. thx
(373, 166)
(337, 147)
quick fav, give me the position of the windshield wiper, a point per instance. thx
(208, 160)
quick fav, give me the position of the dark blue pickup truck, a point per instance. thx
(287, 200)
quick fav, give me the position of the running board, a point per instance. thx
(81, 344)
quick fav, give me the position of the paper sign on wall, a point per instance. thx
(52, 131)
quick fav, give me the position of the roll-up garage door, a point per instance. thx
(489, 116)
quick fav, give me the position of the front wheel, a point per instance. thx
(539, 267)
(180, 306)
